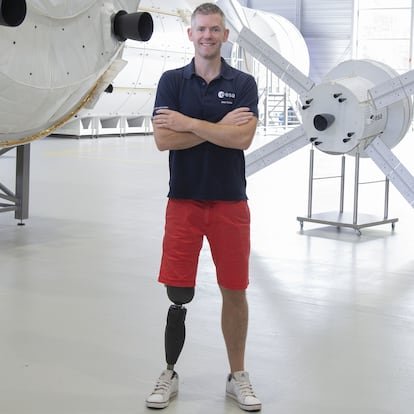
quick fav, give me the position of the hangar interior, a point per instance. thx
(331, 310)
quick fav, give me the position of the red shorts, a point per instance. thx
(226, 224)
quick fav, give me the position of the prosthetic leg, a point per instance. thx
(166, 387)
(175, 328)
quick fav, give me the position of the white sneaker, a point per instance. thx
(165, 389)
(239, 388)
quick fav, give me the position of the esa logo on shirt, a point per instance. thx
(227, 97)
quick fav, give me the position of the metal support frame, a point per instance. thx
(273, 60)
(339, 219)
(18, 201)
(393, 90)
(275, 150)
(389, 164)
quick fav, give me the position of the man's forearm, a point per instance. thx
(173, 130)
(167, 139)
(228, 136)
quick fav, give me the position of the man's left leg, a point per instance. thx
(234, 321)
(229, 238)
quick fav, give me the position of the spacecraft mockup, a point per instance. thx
(129, 104)
(361, 108)
(59, 59)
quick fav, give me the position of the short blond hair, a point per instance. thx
(206, 9)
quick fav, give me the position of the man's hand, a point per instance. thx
(171, 130)
(167, 118)
(238, 116)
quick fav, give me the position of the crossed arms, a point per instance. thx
(175, 131)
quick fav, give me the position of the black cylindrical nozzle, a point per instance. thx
(135, 26)
(12, 12)
(323, 121)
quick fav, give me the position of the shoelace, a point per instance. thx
(246, 389)
(161, 386)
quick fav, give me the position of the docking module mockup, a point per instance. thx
(361, 107)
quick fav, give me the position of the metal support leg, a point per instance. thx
(310, 188)
(387, 193)
(340, 219)
(356, 189)
(342, 195)
(22, 181)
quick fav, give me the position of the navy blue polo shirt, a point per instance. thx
(207, 171)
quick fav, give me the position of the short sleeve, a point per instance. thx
(249, 94)
(167, 92)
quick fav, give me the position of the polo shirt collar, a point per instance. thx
(226, 71)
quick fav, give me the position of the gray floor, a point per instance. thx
(82, 317)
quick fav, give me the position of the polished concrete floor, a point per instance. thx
(82, 316)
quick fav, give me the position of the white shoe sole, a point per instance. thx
(159, 405)
(255, 407)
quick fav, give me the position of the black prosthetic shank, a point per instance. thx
(175, 329)
(174, 333)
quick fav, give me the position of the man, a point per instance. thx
(205, 115)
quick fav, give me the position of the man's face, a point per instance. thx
(208, 34)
